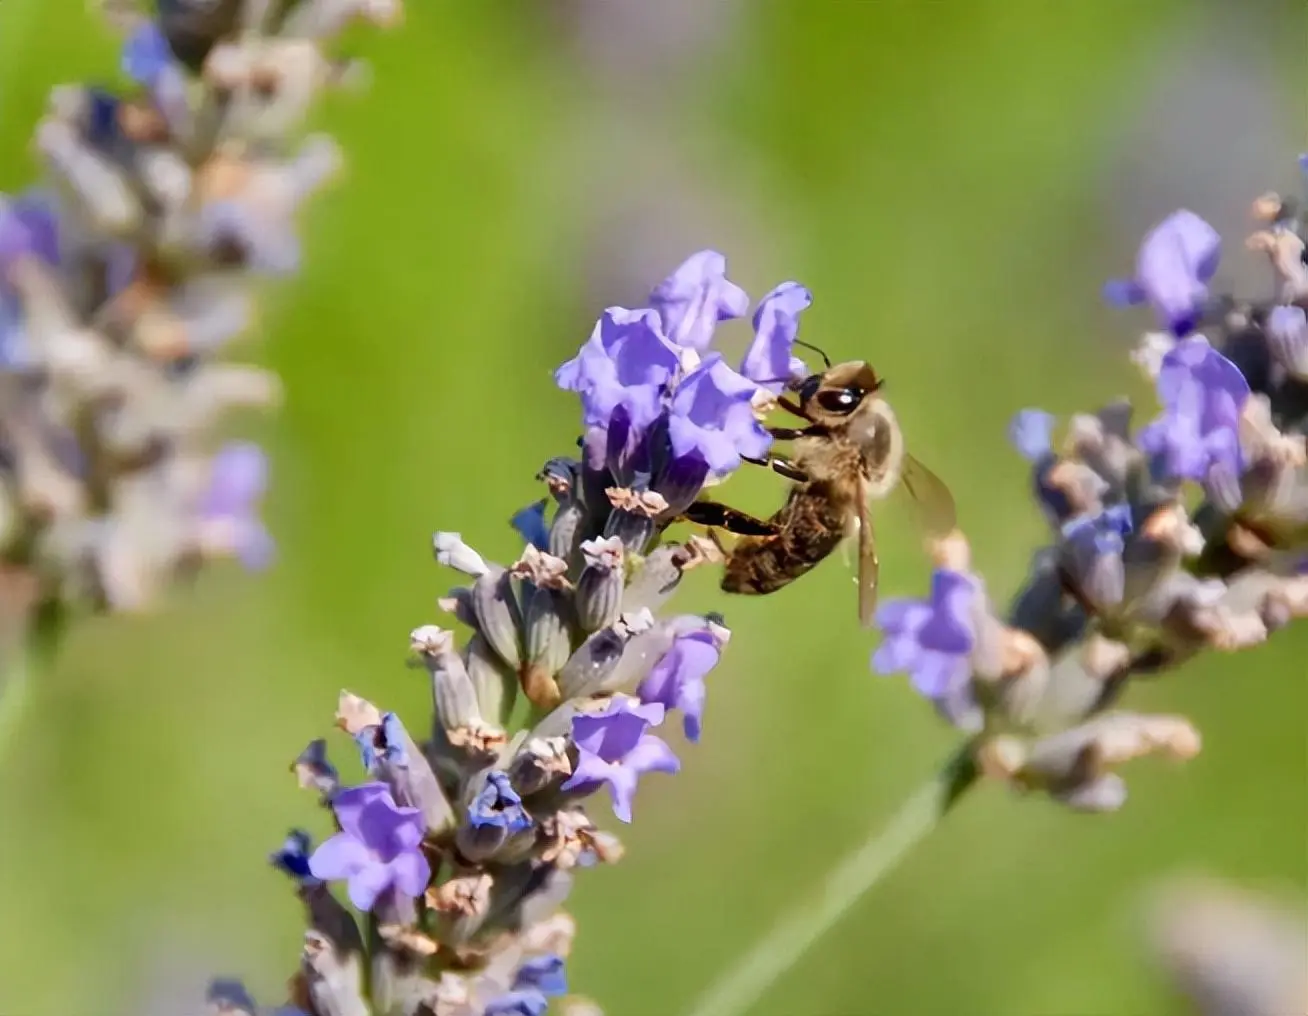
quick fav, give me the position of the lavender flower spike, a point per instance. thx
(1177, 259)
(378, 847)
(932, 640)
(695, 297)
(614, 749)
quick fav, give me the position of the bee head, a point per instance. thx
(838, 390)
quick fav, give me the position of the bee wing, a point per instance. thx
(935, 504)
(869, 565)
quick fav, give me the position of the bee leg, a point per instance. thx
(793, 408)
(783, 467)
(714, 515)
(791, 433)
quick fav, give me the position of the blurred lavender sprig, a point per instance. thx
(124, 275)
(1230, 952)
(1184, 536)
(460, 851)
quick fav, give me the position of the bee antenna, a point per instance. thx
(826, 360)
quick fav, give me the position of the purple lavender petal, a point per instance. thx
(1203, 396)
(1031, 433)
(256, 548)
(770, 359)
(626, 347)
(367, 883)
(37, 212)
(339, 857)
(15, 237)
(517, 1003)
(611, 734)
(695, 297)
(411, 873)
(1193, 360)
(238, 477)
(146, 54)
(711, 414)
(622, 783)
(676, 681)
(937, 673)
(1123, 293)
(652, 755)
(1176, 260)
(932, 640)
(348, 804)
(388, 830)
(949, 629)
(530, 524)
(544, 974)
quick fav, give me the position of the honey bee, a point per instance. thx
(849, 452)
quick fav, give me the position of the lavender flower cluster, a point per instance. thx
(1186, 535)
(123, 277)
(461, 849)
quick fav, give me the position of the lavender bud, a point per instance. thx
(572, 839)
(499, 618)
(496, 824)
(655, 578)
(563, 477)
(89, 180)
(452, 552)
(679, 482)
(453, 696)
(525, 894)
(1092, 556)
(463, 895)
(558, 722)
(314, 772)
(540, 763)
(332, 980)
(400, 763)
(632, 519)
(597, 665)
(566, 529)
(633, 530)
(459, 603)
(547, 622)
(192, 27)
(1073, 765)
(1103, 442)
(647, 641)
(229, 998)
(495, 685)
(1010, 672)
(600, 585)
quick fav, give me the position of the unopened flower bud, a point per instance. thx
(600, 586)
(452, 552)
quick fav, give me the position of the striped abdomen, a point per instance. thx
(812, 522)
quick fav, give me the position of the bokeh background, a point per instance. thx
(953, 181)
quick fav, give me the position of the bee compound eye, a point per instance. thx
(840, 400)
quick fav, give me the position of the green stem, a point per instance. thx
(740, 988)
(32, 656)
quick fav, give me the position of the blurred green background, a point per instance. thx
(943, 171)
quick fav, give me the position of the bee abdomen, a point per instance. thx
(811, 530)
